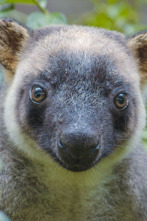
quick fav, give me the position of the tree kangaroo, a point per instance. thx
(71, 117)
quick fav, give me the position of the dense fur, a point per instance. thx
(99, 170)
(138, 44)
(11, 42)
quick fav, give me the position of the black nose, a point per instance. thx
(78, 144)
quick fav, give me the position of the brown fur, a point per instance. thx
(12, 39)
(138, 44)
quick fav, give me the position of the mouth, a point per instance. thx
(76, 164)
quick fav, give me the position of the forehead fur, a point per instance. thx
(78, 44)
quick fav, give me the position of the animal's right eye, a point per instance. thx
(121, 101)
(37, 94)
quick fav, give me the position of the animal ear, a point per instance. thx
(138, 45)
(13, 37)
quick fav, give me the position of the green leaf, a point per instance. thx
(112, 11)
(144, 135)
(43, 3)
(17, 15)
(17, 1)
(7, 7)
(38, 19)
(57, 18)
(144, 144)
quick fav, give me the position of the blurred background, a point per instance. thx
(127, 16)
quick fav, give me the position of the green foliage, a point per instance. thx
(40, 3)
(111, 14)
(38, 19)
(144, 138)
(35, 19)
(115, 14)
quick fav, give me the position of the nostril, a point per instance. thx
(98, 146)
(94, 145)
(60, 145)
(78, 148)
(95, 149)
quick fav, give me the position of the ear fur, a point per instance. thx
(13, 37)
(138, 45)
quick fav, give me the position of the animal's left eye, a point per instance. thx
(37, 94)
(121, 101)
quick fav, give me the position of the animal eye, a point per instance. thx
(37, 94)
(121, 101)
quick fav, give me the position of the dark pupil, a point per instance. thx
(121, 98)
(38, 92)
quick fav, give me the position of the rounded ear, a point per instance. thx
(13, 37)
(138, 45)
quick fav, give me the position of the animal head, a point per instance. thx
(75, 93)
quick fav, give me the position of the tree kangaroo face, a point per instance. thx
(76, 95)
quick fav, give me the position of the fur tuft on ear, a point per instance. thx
(138, 45)
(13, 37)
